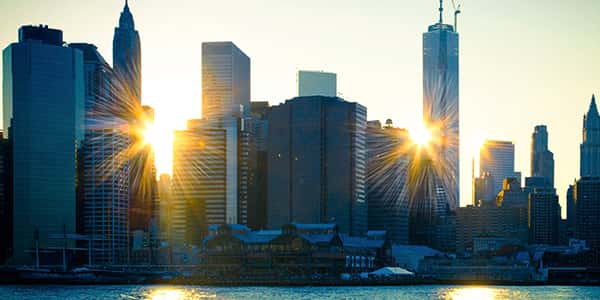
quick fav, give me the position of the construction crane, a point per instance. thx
(456, 12)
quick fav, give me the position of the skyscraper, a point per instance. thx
(104, 169)
(542, 159)
(6, 200)
(127, 58)
(317, 163)
(387, 176)
(497, 158)
(441, 96)
(590, 146)
(225, 80)
(43, 107)
(314, 83)
(483, 190)
(544, 215)
(587, 210)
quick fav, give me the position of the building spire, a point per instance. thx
(441, 11)
(593, 107)
(126, 4)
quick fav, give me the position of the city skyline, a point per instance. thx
(482, 99)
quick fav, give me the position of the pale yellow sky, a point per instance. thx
(523, 63)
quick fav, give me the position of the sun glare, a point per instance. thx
(161, 139)
(420, 135)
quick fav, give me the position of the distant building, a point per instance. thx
(313, 83)
(211, 179)
(542, 159)
(590, 146)
(587, 210)
(6, 200)
(571, 211)
(512, 194)
(257, 203)
(166, 207)
(490, 221)
(544, 215)
(387, 176)
(317, 163)
(43, 109)
(497, 158)
(225, 80)
(127, 58)
(441, 96)
(483, 190)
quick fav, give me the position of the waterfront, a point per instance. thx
(64, 292)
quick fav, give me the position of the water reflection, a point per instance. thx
(180, 294)
(468, 293)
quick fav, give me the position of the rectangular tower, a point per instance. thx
(43, 105)
(441, 97)
(317, 163)
(497, 158)
(313, 83)
(225, 80)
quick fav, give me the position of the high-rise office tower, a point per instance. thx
(43, 109)
(441, 98)
(544, 213)
(497, 158)
(587, 210)
(6, 200)
(314, 83)
(483, 190)
(257, 204)
(211, 178)
(317, 163)
(590, 146)
(542, 159)
(103, 207)
(225, 80)
(571, 211)
(387, 176)
(165, 197)
(127, 58)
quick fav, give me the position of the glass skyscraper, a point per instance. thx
(127, 57)
(43, 107)
(225, 80)
(590, 146)
(497, 158)
(317, 163)
(314, 83)
(441, 98)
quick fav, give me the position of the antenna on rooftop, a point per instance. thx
(456, 12)
(441, 12)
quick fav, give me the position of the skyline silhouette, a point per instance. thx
(375, 50)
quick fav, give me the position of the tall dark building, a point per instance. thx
(441, 97)
(127, 58)
(483, 189)
(587, 210)
(571, 211)
(43, 109)
(542, 159)
(388, 159)
(317, 163)
(590, 146)
(104, 170)
(6, 199)
(544, 215)
(257, 204)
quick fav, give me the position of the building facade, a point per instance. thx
(542, 159)
(544, 216)
(43, 109)
(317, 163)
(225, 80)
(497, 158)
(127, 58)
(317, 83)
(590, 146)
(387, 178)
(441, 97)
(587, 210)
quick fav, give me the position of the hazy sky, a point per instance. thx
(523, 63)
